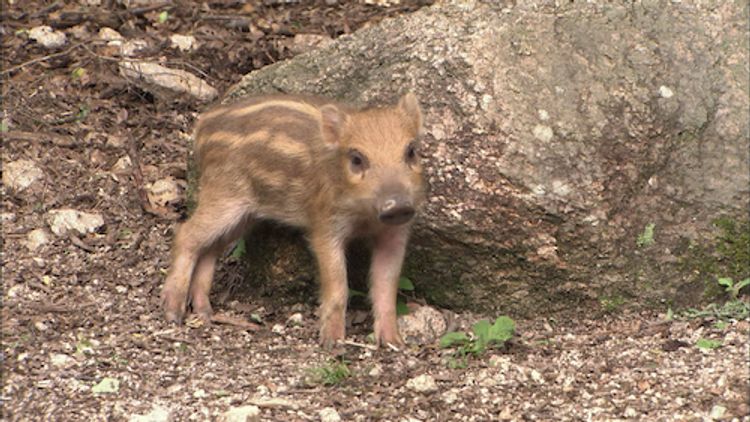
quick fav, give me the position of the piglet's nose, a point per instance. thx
(396, 211)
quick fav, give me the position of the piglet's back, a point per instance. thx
(265, 149)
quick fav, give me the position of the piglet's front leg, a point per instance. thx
(387, 258)
(329, 250)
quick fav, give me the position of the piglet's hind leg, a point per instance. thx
(195, 244)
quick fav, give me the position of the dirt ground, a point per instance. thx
(80, 312)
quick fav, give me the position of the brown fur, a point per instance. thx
(304, 161)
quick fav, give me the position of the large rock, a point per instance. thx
(555, 137)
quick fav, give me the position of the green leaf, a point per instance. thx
(726, 282)
(4, 126)
(256, 318)
(720, 325)
(163, 16)
(741, 284)
(240, 249)
(647, 237)
(405, 284)
(708, 344)
(481, 330)
(452, 338)
(502, 330)
(83, 111)
(78, 73)
(356, 293)
(670, 314)
(106, 386)
(401, 308)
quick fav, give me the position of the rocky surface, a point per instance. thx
(555, 135)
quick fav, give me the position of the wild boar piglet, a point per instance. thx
(335, 171)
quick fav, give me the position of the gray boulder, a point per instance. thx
(576, 154)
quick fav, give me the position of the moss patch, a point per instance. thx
(727, 256)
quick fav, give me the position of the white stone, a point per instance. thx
(157, 414)
(421, 326)
(376, 371)
(151, 75)
(450, 396)
(7, 217)
(36, 238)
(717, 412)
(329, 414)
(183, 42)
(64, 220)
(422, 384)
(247, 413)
(277, 329)
(19, 175)
(163, 191)
(302, 43)
(109, 34)
(47, 37)
(543, 133)
(200, 394)
(294, 319)
(123, 165)
(665, 92)
(132, 47)
(61, 360)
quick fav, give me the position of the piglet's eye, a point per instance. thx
(357, 161)
(411, 153)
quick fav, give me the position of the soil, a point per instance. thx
(82, 310)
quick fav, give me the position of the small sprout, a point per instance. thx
(78, 73)
(453, 338)
(670, 314)
(720, 325)
(106, 386)
(83, 111)
(356, 293)
(401, 308)
(254, 317)
(163, 16)
(240, 249)
(4, 126)
(329, 374)
(708, 344)
(405, 284)
(647, 237)
(733, 288)
(484, 336)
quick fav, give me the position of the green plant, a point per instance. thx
(647, 237)
(240, 249)
(404, 285)
(483, 336)
(611, 303)
(331, 373)
(734, 309)
(733, 288)
(708, 344)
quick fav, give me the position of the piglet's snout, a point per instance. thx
(396, 210)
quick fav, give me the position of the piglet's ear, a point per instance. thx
(332, 122)
(409, 108)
